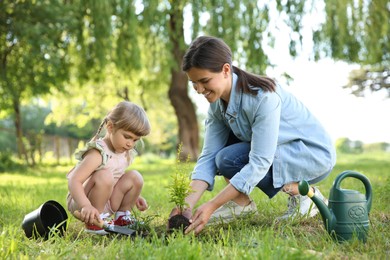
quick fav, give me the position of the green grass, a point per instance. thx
(257, 237)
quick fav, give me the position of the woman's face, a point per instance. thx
(210, 84)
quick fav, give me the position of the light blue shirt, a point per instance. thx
(282, 133)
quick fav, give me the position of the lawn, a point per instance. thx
(256, 237)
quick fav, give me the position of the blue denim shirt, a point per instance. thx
(282, 132)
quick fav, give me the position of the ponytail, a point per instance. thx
(250, 83)
(102, 124)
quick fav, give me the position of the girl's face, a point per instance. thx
(121, 140)
(210, 84)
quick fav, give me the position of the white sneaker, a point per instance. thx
(231, 210)
(299, 205)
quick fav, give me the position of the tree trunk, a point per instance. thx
(57, 148)
(19, 132)
(70, 148)
(186, 116)
(178, 92)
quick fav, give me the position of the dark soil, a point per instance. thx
(178, 222)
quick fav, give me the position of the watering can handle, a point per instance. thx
(359, 176)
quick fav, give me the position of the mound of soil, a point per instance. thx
(178, 222)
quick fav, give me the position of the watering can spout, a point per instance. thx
(327, 215)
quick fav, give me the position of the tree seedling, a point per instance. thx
(179, 189)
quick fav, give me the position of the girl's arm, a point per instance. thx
(141, 204)
(91, 161)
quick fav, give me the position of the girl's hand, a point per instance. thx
(88, 214)
(200, 218)
(141, 204)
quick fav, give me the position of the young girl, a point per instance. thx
(99, 185)
(257, 135)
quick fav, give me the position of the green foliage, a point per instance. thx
(34, 117)
(34, 54)
(8, 162)
(180, 187)
(246, 34)
(377, 147)
(355, 31)
(369, 79)
(7, 136)
(345, 145)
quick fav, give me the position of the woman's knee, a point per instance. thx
(222, 160)
(320, 178)
(231, 160)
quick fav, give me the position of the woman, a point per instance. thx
(257, 135)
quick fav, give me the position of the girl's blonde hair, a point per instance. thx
(127, 116)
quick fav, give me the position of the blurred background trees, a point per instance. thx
(64, 63)
(358, 32)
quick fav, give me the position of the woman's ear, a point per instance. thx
(226, 69)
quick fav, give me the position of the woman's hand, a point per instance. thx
(200, 218)
(141, 204)
(187, 212)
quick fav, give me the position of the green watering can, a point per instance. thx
(347, 213)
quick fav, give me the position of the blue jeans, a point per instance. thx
(235, 155)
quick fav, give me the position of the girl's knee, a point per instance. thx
(135, 178)
(103, 178)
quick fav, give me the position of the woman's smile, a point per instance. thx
(206, 94)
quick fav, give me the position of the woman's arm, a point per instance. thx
(204, 212)
(215, 138)
(198, 188)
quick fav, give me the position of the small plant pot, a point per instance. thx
(49, 218)
(178, 222)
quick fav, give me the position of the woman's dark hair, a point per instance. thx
(211, 53)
